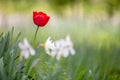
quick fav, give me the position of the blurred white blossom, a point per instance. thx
(59, 48)
(49, 46)
(26, 49)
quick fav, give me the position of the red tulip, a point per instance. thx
(40, 18)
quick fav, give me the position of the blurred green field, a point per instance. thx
(97, 52)
(97, 46)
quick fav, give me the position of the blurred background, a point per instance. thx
(15, 12)
(94, 27)
(19, 13)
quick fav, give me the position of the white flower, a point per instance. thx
(64, 48)
(69, 45)
(57, 51)
(26, 49)
(60, 48)
(49, 45)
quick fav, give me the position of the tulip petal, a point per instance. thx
(40, 18)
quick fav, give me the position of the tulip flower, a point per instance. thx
(40, 19)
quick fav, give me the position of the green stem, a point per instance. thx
(36, 34)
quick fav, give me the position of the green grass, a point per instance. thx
(97, 54)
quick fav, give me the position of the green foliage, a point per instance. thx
(17, 5)
(11, 68)
(108, 6)
(111, 6)
(97, 57)
(8, 55)
(60, 5)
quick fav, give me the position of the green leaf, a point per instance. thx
(2, 71)
(1, 34)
